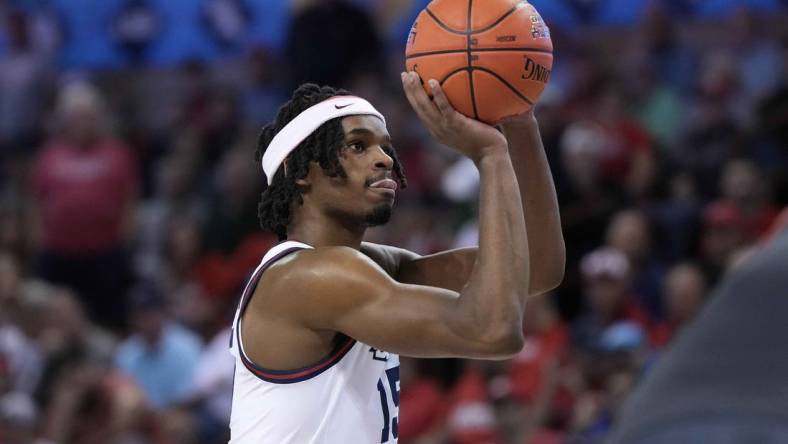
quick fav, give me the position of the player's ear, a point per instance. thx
(305, 182)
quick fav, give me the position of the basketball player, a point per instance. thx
(324, 317)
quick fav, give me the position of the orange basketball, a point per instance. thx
(492, 57)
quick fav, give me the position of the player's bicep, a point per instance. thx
(410, 320)
(357, 298)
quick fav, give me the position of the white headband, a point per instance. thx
(306, 123)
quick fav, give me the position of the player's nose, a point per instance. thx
(382, 159)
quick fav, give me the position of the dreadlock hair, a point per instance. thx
(322, 147)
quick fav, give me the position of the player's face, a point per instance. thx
(367, 193)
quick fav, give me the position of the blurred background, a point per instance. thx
(128, 202)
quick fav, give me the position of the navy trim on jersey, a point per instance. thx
(255, 278)
(303, 373)
(286, 376)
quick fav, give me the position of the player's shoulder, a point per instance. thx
(323, 267)
(323, 281)
(325, 257)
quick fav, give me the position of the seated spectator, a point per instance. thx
(19, 340)
(610, 373)
(711, 129)
(744, 189)
(607, 275)
(628, 158)
(676, 218)
(630, 232)
(161, 356)
(92, 405)
(683, 296)
(186, 295)
(68, 339)
(722, 235)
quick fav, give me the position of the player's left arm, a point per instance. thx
(540, 204)
(450, 269)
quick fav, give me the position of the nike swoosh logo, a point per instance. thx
(342, 106)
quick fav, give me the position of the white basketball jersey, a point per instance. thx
(350, 396)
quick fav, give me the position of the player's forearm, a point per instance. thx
(539, 202)
(446, 269)
(496, 291)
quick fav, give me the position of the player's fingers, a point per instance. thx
(409, 94)
(441, 100)
(418, 98)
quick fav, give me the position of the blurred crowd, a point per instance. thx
(128, 222)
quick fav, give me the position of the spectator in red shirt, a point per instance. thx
(628, 156)
(546, 342)
(471, 415)
(743, 188)
(739, 218)
(424, 400)
(84, 187)
(535, 375)
(722, 237)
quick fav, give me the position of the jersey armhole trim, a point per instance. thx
(301, 374)
(285, 376)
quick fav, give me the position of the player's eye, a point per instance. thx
(357, 146)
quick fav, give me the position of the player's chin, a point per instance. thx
(379, 215)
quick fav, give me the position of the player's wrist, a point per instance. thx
(492, 154)
(525, 121)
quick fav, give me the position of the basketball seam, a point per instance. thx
(470, 66)
(508, 85)
(443, 25)
(502, 18)
(469, 30)
(460, 51)
(446, 77)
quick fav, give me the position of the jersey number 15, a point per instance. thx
(389, 423)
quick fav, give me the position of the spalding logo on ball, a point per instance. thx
(492, 57)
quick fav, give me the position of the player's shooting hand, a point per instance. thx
(468, 136)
